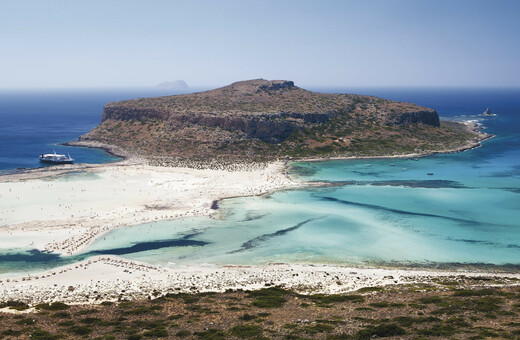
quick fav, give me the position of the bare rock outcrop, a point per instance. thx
(428, 117)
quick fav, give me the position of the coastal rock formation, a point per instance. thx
(488, 112)
(424, 116)
(265, 119)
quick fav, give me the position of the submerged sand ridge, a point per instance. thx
(66, 209)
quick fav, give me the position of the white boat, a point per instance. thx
(54, 158)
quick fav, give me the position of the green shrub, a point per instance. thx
(384, 304)
(487, 304)
(246, 331)
(90, 321)
(142, 310)
(156, 333)
(431, 299)
(443, 330)
(370, 289)
(408, 321)
(52, 306)
(469, 292)
(336, 298)
(26, 321)
(383, 330)
(247, 317)
(61, 315)
(269, 297)
(87, 311)
(211, 334)
(80, 330)
(269, 302)
(39, 334)
(17, 305)
(318, 328)
(183, 333)
(11, 332)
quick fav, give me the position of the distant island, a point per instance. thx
(173, 85)
(261, 120)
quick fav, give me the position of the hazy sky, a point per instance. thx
(108, 43)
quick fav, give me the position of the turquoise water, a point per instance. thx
(449, 209)
(348, 224)
(461, 208)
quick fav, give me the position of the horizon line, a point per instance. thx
(304, 86)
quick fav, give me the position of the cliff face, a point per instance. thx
(425, 117)
(246, 117)
(272, 128)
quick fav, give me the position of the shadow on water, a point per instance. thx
(263, 238)
(487, 243)
(428, 184)
(400, 212)
(35, 259)
(303, 170)
(145, 246)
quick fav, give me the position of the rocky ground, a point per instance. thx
(464, 308)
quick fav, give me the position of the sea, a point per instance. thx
(446, 210)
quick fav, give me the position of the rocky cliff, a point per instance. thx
(244, 118)
(428, 117)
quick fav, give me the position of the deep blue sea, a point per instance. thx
(382, 211)
(39, 121)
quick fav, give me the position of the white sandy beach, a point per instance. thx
(102, 278)
(47, 210)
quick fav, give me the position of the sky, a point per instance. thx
(393, 43)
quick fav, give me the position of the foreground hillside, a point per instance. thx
(264, 120)
(464, 309)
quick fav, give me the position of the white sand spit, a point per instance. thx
(66, 209)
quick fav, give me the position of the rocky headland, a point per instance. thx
(262, 120)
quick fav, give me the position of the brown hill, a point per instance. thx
(260, 119)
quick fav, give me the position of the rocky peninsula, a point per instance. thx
(261, 120)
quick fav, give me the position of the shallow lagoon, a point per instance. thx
(378, 211)
(461, 208)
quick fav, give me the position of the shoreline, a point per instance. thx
(473, 144)
(111, 278)
(114, 195)
(470, 126)
(129, 161)
(109, 149)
